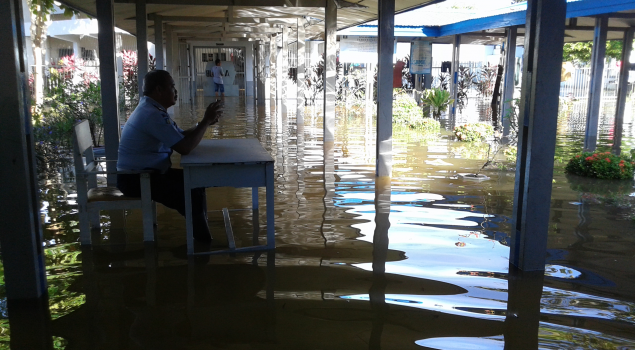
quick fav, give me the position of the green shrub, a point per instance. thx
(405, 110)
(428, 125)
(601, 165)
(438, 99)
(473, 132)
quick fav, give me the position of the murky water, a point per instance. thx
(421, 262)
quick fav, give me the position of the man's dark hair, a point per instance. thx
(153, 79)
(217, 61)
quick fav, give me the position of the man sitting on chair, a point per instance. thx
(147, 141)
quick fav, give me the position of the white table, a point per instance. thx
(233, 163)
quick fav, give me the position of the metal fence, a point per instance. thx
(577, 83)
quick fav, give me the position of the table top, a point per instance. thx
(227, 151)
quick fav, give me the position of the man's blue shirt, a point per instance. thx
(147, 138)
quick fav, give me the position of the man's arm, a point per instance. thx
(193, 136)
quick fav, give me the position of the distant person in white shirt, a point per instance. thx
(217, 73)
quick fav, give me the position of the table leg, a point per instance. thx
(271, 240)
(254, 197)
(189, 227)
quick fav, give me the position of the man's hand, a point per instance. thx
(213, 113)
(193, 136)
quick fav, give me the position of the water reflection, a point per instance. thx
(421, 260)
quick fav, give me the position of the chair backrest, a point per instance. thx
(83, 147)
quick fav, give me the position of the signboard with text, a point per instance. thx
(360, 49)
(421, 57)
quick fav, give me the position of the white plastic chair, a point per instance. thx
(91, 198)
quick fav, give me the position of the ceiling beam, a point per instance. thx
(249, 3)
(591, 28)
(618, 15)
(222, 35)
(238, 20)
(234, 29)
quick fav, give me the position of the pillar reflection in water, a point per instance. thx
(377, 291)
(326, 227)
(30, 324)
(523, 308)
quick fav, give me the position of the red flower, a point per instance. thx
(621, 165)
(589, 159)
(578, 156)
(608, 160)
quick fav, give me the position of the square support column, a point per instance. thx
(385, 48)
(169, 51)
(279, 55)
(21, 237)
(273, 55)
(544, 40)
(261, 72)
(508, 82)
(300, 70)
(109, 83)
(284, 66)
(625, 68)
(330, 67)
(595, 86)
(142, 43)
(369, 92)
(158, 42)
(454, 75)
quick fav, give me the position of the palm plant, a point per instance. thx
(439, 100)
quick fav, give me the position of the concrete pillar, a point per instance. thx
(385, 42)
(370, 77)
(622, 90)
(273, 56)
(300, 70)
(330, 67)
(284, 70)
(427, 81)
(261, 72)
(279, 55)
(522, 320)
(158, 42)
(595, 86)
(109, 83)
(21, 238)
(77, 50)
(508, 82)
(142, 43)
(267, 73)
(284, 67)
(544, 39)
(377, 292)
(454, 75)
(169, 51)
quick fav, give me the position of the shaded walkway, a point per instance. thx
(446, 269)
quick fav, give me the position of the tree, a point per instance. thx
(580, 53)
(40, 12)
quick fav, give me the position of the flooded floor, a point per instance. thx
(421, 262)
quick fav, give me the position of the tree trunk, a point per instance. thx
(496, 95)
(39, 24)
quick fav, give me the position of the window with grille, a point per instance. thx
(88, 54)
(65, 52)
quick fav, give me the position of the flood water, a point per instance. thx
(420, 262)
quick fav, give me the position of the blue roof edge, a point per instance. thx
(574, 9)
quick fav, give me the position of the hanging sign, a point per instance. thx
(421, 57)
